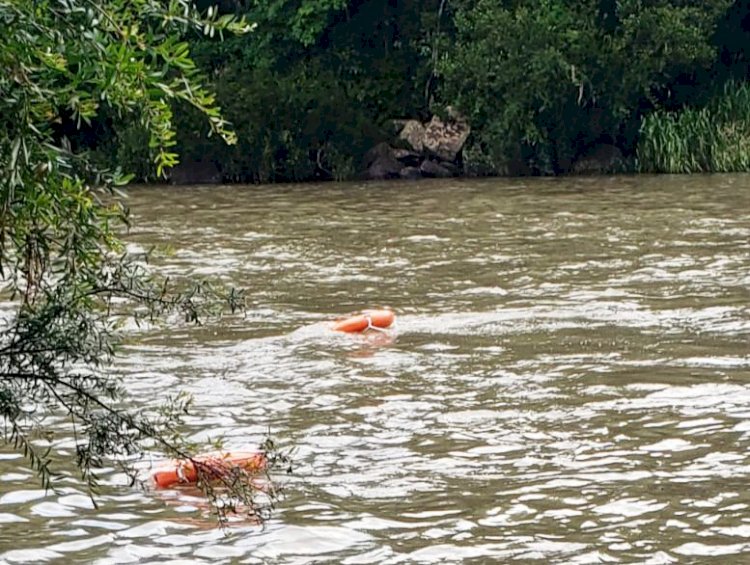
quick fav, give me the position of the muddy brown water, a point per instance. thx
(568, 380)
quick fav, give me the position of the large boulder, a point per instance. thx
(432, 169)
(195, 172)
(385, 168)
(381, 150)
(380, 163)
(408, 158)
(599, 159)
(452, 168)
(446, 139)
(413, 134)
(410, 173)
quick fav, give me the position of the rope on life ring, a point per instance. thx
(184, 471)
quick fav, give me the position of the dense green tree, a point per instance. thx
(542, 81)
(545, 78)
(64, 63)
(309, 91)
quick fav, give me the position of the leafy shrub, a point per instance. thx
(548, 78)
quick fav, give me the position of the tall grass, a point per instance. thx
(715, 138)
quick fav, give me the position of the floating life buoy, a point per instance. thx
(184, 472)
(368, 319)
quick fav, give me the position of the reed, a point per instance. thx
(712, 139)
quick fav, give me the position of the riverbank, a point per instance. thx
(709, 139)
(546, 90)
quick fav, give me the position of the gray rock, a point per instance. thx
(407, 157)
(445, 140)
(195, 172)
(452, 168)
(432, 169)
(381, 150)
(411, 173)
(599, 159)
(413, 134)
(385, 167)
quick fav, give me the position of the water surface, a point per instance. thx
(568, 381)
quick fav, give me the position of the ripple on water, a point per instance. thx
(566, 383)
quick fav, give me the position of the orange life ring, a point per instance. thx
(183, 471)
(378, 319)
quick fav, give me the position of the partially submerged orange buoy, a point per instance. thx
(368, 319)
(184, 471)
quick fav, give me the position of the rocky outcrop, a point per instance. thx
(380, 151)
(195, 172)
(419, 150)
(446, 139)
(410, 173)
(430, 168)
(380, 163)
(599, 159)
(413, 134)
(408, 158)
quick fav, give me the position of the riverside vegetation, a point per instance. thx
(547, 86)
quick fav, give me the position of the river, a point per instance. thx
(568, 380)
